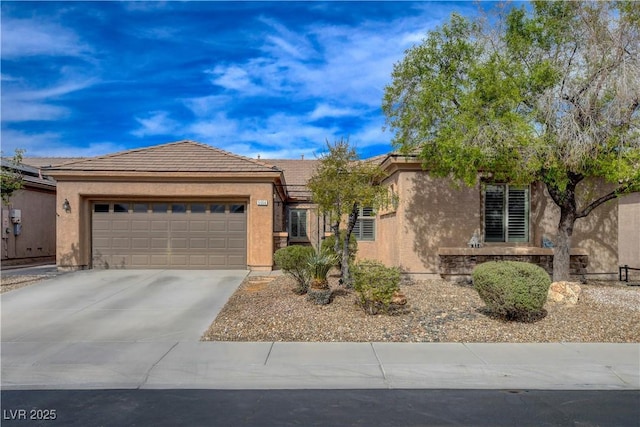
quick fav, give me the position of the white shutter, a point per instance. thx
(518, 214)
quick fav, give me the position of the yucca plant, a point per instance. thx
(320, 262)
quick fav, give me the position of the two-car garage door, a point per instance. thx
(186, 235)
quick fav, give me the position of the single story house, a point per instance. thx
(29, 221)
(190, 205)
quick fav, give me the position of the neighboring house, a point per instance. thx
(29, 221)
(190, 205)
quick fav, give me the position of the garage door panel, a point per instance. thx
(140, 243)
(236, 243)
(120, 243)
(120, 225)
(179, 243)
(193, 239)
(218, 225)
(179, 225)
(198, 226)
(159, 243)
(139, 225)
(140, 260)
(101, 224)
(198, 261)
(237, 226)
(197, 243)
(159, 225)
(219, 261)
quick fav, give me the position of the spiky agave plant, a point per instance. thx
(320, 262)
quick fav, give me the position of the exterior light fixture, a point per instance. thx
(66, 206)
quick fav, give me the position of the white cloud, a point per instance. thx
(157, 123)
(30, 37)
(325, 110)
(234, 78)
(52, 144)
(17, 111)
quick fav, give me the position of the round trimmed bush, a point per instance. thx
(293, 260)
(375, 285)
(513, 290)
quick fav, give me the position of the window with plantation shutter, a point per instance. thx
(298, 224)
(365, 228)
(506, 213)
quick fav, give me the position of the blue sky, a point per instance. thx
(275, 79)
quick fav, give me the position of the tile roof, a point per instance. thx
(180, 156)
(44, 162)
(296, 175)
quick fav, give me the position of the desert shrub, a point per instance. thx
(512, 290)
(293, 260)
(375, 285)
(328, 244)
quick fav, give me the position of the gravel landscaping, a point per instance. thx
(267, 309)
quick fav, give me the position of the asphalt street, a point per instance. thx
(320, 408)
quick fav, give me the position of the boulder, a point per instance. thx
(564, 293)
(398, 298)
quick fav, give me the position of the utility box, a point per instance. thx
(16, 216)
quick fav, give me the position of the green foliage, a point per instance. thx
(328, 245)
(545, 93)
(513, 290)
(375, 284)
(342, 183)
(293, 260)
(319, 263)
(11, 179)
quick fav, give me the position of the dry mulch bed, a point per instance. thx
(267, 309)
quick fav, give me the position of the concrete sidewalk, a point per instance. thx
(281, 365)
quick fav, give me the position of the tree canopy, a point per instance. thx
(11, 177)
(340, 186)
(548, 91)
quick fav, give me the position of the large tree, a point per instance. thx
(11, 177)
(340, 186)
(548, 92)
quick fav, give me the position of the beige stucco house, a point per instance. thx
(28, 221)
(190, 205)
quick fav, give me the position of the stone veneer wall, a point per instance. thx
(463, 265)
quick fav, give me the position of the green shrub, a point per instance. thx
(328, 244)
(375, 285)
(512, 290)
(293, 260)
(319, 264)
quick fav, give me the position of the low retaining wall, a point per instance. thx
(460, 262)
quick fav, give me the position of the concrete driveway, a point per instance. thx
(105, 328)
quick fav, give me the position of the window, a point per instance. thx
(179, 208)
(506, 213)
(159, 207)
(217, 208)
(298, 224)
(121, 207)
(365, 228)
(101, 207)
(140, 207)
(236, 209)
(198, 208)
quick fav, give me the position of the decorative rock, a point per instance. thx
(398, 298)
(564, 292)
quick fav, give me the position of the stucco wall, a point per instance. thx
(38, 237)
(433, 213)
(74, 228)
(629, 233)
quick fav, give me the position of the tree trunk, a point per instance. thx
(336, 245)
(353, 217)
(561, 252)
(566, 201)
